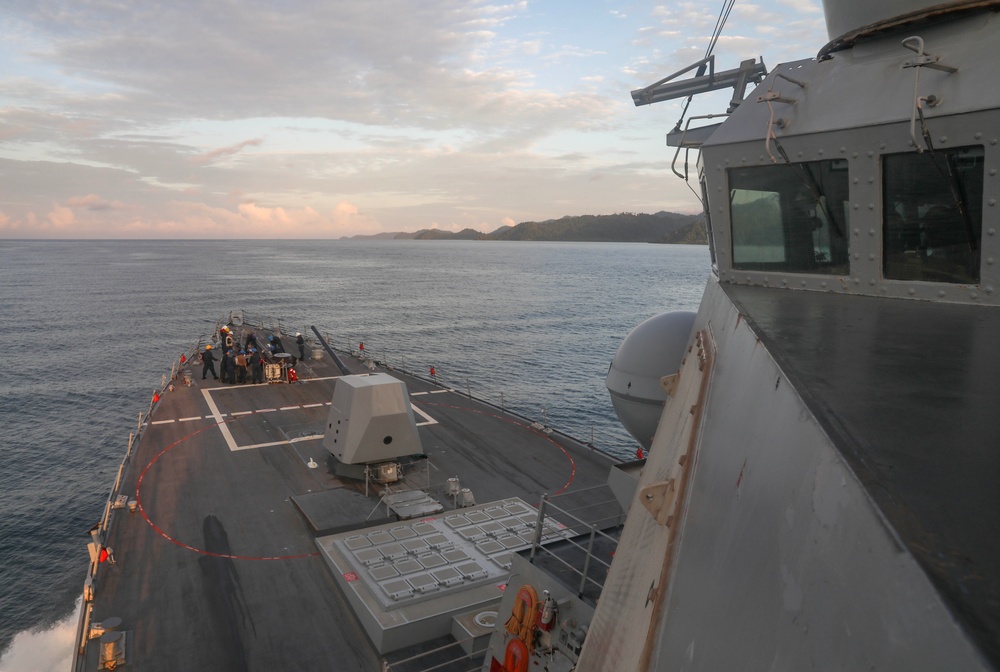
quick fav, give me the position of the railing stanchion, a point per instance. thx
(536, 541)
(586, 562)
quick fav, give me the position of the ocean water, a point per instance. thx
(92, 326)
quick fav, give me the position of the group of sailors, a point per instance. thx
(244, 364)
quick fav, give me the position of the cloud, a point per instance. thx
(26, 124)
(94, 202)
(223, 152)
(385, 62)
(187, 219)
(150, 119)
(61, 217)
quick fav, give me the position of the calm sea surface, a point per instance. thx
(90, 328)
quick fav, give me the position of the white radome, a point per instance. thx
(652, 350)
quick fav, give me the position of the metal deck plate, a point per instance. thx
(405, 562)
(406, 580)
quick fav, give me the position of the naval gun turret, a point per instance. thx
(371, 428)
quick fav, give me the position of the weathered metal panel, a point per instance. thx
(783, 560)
(869, 85)
(785, 563)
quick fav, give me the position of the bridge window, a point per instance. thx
(790, 217)
(933, 215)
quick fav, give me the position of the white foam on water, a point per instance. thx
(49, 650)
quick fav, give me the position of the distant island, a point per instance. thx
(623, 227)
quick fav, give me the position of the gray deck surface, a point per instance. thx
(225, 575)
(910, 393)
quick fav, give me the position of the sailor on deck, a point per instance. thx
(228, 367)
(209, 360)
(256, 366)
(241, 367)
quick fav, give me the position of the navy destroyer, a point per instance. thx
(820, 490)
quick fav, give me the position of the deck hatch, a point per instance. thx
(369, 556)
(431, 560)
(400, 533)
(407, 566)
(489, 547)
(502, 559)
(415, 545)
(383, 572)
(423, 528)
(436, 556)
(355, 543)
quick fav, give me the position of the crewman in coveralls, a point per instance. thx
(256, 366)
(228, 367)
(209, 359)
(241, 367)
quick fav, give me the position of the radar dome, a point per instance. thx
(652, 350)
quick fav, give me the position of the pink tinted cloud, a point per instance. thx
(223, 152)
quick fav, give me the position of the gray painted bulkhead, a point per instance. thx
(783, 561)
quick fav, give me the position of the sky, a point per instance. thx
(223, 119)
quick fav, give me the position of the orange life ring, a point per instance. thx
(515, 658)
(521, 623)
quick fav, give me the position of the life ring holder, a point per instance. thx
(521, 625)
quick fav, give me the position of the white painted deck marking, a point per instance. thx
(423, 414)
(280, 443)
(417, 394)
(161, 422)
(223, 427)
(195, 417)
(228, 435)
(441, 391)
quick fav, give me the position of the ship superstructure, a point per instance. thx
(827, 450)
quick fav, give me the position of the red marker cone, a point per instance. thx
(433, 372)
(361, 346)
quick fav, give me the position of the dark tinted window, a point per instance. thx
(933, 215)
(790, 217)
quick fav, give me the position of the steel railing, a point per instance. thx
(578, 527)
